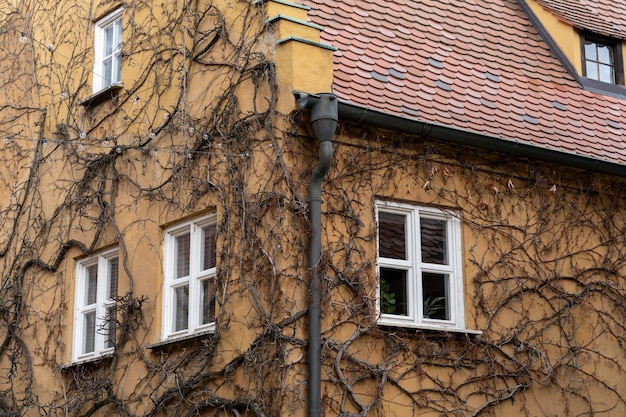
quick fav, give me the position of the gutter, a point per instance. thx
(363, 115)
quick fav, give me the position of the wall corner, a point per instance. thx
(303, 63)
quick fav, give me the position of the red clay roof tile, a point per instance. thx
(484, 75)
(605, 17)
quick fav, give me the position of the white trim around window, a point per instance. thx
(189, 270)
(95, 305)
(107, 51)
(419, 267)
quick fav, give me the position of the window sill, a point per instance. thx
(430, 328)
(181, 339)
(102, 95)
(89, 361)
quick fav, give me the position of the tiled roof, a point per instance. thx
(476, 65)
(606, 17)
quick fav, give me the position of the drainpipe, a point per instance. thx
(324, 117)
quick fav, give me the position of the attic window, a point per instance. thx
(602, 59)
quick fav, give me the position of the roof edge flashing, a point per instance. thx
(306, 41)
(550, 42)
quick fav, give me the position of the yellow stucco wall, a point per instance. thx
(564, 34)
(531, 251)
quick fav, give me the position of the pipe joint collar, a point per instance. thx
(324, 117)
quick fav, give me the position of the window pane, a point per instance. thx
(109, 39)
(592, 70)
(118, 34)
(117, 75)
(109, 327)
(107, 69)
(182, 255)
(606, 73)
(590, 51)
(91, 283)
(434, 241)
(89, 332)
(604, 54)
(113, 273)
(207, 302)
(208, 250)
(392, 235)
(393, 291)
(435, 296)
(181, 308)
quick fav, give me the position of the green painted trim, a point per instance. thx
(308, 42)
(286, 3)
(294, 20)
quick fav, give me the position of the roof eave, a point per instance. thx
(360, 114)
(348, 111)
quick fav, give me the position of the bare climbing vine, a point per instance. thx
(195, 128)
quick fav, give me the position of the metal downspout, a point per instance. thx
(324, 117)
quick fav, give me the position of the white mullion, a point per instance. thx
(175, 282)
(194, 268)
(169, 313)
(394, 263)
(83, 332)
(107, 302)
(399, 266)
(88, 309)
(416, 253)
(180, 283)
(457, 314)
(79, 308)
(451, 282)
(446, 270)
(100, 297)
(116, 54)
(98, 59)
(412, 246)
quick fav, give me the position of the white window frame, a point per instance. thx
(104, 302)
(194, 280)
(99, 79)
(414, 268)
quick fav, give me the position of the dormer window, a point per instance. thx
(602, 59)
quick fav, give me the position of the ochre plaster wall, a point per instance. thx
(542, 266)
(564, 34)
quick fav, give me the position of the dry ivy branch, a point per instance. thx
(197, 128)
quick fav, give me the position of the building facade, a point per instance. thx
(274, 208)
